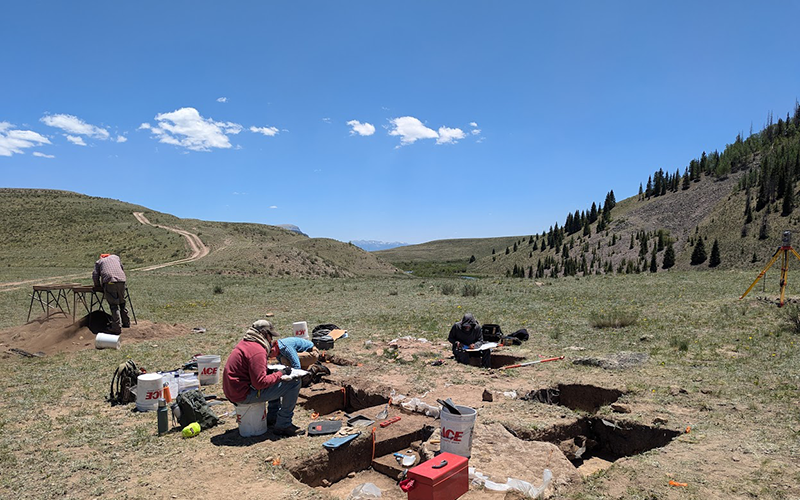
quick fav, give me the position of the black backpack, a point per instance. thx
(125, 377)
(491, 332)
(193, 408)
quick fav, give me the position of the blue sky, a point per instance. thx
(395, 121)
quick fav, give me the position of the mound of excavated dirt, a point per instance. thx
(58, 334)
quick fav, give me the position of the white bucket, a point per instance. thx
(148, 391)
(300, 329)
(106, 341)
(208, 369)
(457, 431)
(252, 419)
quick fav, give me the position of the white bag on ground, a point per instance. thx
(364, 491)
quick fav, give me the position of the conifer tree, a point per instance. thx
(788, 199)
(653, 263)
(699, 253)
(748, 211)
(686, 182)
(714, 261)
(472, 259)
(669, 257)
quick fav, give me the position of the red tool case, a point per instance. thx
(432, 482)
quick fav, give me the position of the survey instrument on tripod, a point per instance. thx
(784, 250)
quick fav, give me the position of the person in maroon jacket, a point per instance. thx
(247, 379)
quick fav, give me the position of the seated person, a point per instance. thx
(297, 352)
(464, 335)
(246, 379)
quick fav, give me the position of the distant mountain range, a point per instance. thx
(372, 245)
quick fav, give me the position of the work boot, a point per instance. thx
(290, 430)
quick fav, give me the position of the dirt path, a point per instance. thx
(199, 250)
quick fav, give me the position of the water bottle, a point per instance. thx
(163, 417)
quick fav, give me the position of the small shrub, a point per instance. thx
(470, 290)
(218, 290)
(393, 292)
(793, 318)
(613, 319)
(679, 343)
(448, 289)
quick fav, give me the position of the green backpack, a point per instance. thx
(193, 408)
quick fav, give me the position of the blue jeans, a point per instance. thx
(281, 399)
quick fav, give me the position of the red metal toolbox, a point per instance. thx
(444, 477)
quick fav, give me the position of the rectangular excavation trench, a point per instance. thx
(591, 436)
(329, 466)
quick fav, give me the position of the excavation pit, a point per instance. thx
(588, 398)
(594, 437)
(327, 467)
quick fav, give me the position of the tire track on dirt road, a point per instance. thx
(199, 250)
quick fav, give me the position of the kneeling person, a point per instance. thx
(246, 379)
(297, 352)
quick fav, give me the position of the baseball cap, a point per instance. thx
(264, 326)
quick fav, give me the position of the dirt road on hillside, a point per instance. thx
(199, 250)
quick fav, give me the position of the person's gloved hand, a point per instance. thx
(458, 345)
(287, 370)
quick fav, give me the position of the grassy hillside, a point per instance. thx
(444, 257)
(45, 231)
(53, 233)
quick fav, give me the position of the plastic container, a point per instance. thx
(208, 369)
(106, 341)
(252, 419)
(170, 380)
(457, 430)
(191, 430)
(300, 329)
(187, 382)
(148, 391)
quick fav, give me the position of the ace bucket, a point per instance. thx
(457, 430)
(208, 369)
(148, 391)
(300, 329)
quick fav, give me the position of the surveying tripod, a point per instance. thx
(784, 250)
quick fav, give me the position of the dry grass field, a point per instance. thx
(725, 370)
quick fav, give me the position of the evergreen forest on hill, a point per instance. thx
(725, 210)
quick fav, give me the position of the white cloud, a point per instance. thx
(42, 155)
(185, 127)
(473, 124)
(75, 139)
(222, 99)
(410, 130)
(268, 131)
(450, 135)
(74, 125)
(476, 131)
(363, 129)
(121, 138)
(273, 207)
(326, 120)
(14, 141)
